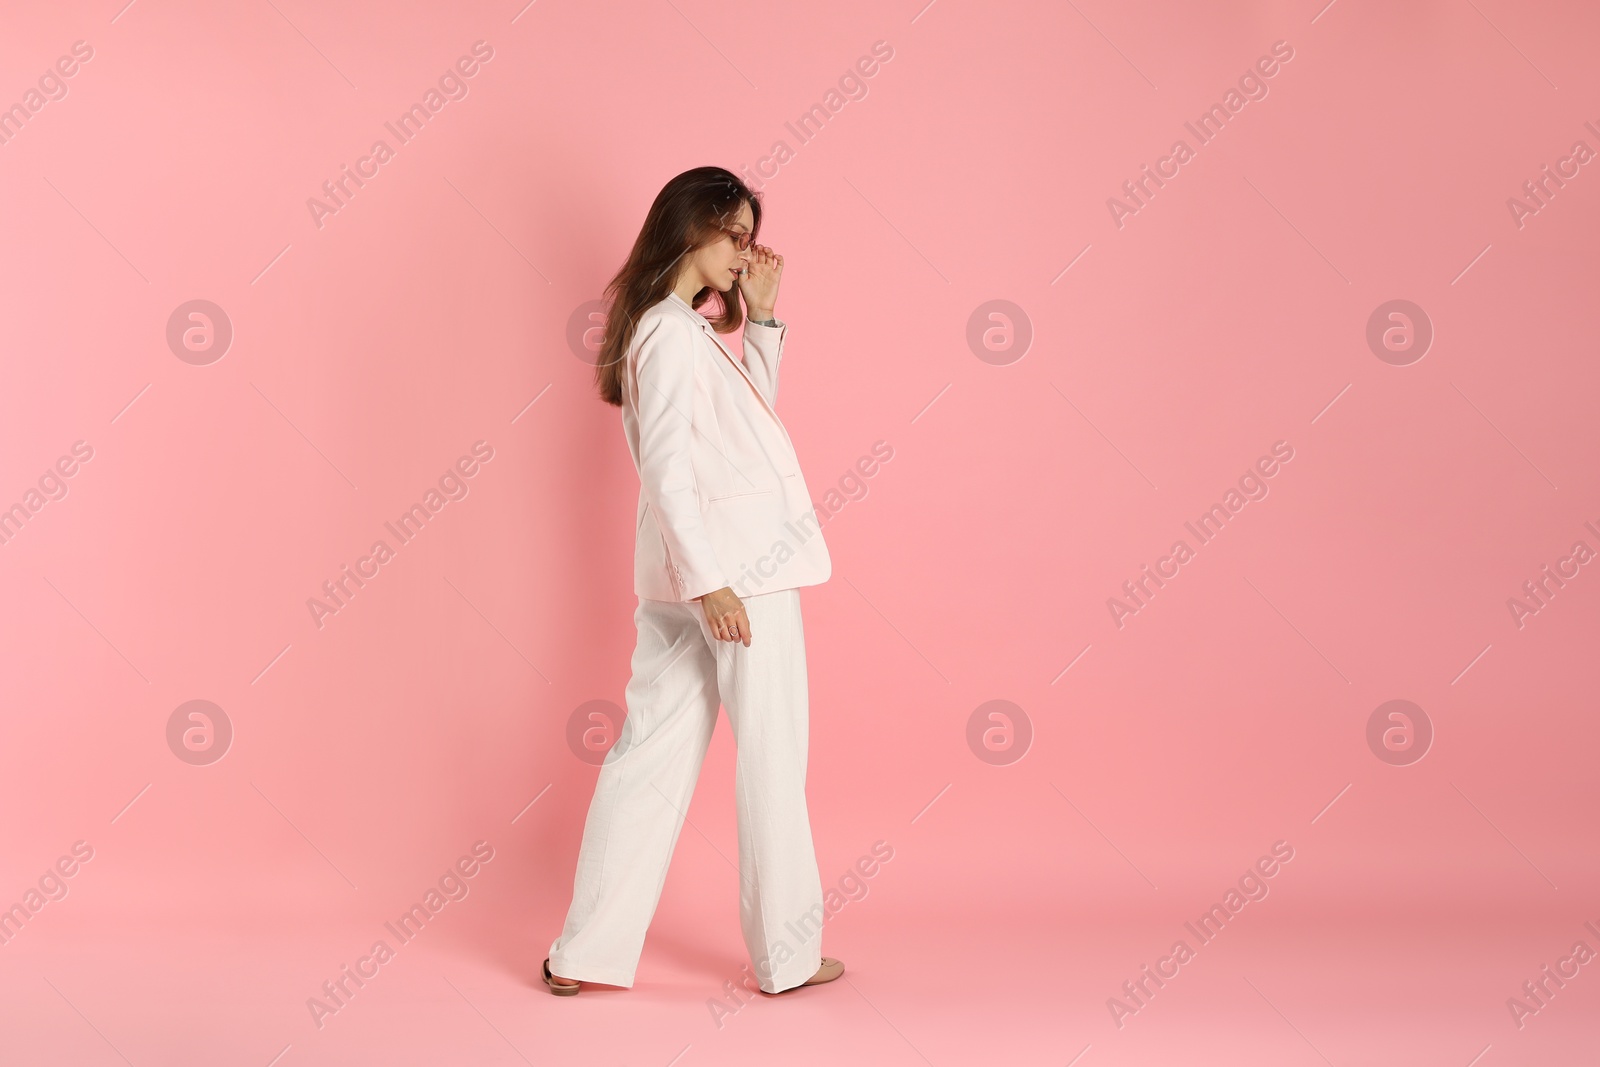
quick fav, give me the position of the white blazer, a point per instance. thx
(722, 501)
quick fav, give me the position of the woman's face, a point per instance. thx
(719, 261)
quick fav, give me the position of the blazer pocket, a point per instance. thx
(735, 496)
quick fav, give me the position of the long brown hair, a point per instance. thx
(688, 213)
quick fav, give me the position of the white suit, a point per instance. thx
(721, 503)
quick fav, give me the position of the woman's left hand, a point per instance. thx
(759, 282)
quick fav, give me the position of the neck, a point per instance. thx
(687, 287)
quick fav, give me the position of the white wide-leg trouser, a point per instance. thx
(681, 672)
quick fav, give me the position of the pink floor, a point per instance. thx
(1356, 322)
(942, 968)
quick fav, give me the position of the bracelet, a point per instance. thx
(765, 322)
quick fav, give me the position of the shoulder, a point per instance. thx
(663, 346)
(665, 320)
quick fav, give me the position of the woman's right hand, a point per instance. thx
(726, 616)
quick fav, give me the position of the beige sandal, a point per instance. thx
(830, 969)
(562, 989)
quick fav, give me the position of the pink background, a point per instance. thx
(433, 711)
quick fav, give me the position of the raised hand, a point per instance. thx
(759, 282)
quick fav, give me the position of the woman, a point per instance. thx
(726, 536)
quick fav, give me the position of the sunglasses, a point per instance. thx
(740, 240)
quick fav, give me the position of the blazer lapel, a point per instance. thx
(738, 365)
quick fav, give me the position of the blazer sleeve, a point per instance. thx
(763, 348)
(664, 374)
